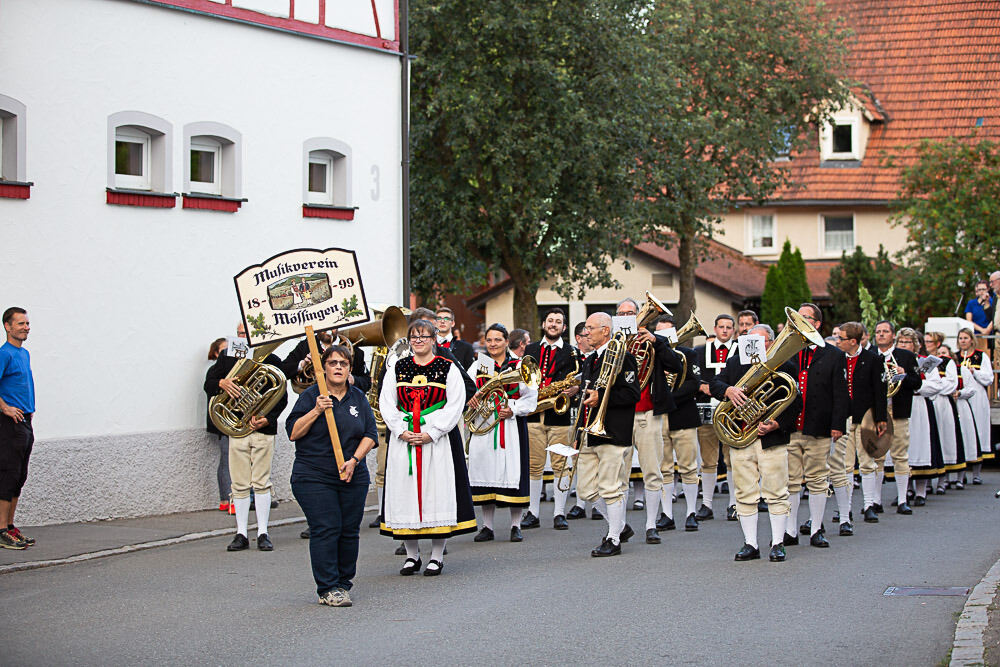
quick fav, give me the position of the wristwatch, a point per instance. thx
(357, 461)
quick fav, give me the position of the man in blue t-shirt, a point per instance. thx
(17, 405)
(979, 311)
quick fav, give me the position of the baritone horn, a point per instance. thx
(261, 387)
(769, 391)
(493, 395)
(643, 351)
(691, 330)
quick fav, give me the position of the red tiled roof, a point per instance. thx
(724, 267)
(933, 66)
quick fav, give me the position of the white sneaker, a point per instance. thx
(338, 597)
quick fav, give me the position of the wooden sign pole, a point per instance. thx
(331, 423)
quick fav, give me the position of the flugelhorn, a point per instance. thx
(643, 350)
(493, 395)
(769, 391)
(261, 387)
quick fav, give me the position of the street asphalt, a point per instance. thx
(543, 601)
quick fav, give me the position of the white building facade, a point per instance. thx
(149, 151)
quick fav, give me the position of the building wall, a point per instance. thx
(124, 301)
(804, 228)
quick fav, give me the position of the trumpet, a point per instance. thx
(553, 397)
(691, 329)
(611, 365)
(493, 395)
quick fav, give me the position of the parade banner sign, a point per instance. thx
(284, 294)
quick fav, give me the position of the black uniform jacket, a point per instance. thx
(558, 369)
(730, 376)
(868, 390)
(462, 351)
(666, 360)
(685, 413)
(620, 414)
(826, 401)
(707, 372)
(902, 402)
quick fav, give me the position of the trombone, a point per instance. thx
(574, 432)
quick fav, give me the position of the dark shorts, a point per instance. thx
(16, 440)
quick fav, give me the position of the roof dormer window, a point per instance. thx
(841, 138)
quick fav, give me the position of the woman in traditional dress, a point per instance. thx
(426, 490)
(925, 444)
(943, 408)
(498, 459)
(977, 375)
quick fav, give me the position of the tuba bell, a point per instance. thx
(493, 395)
(769, 391)
(261, 387)
(643, 350)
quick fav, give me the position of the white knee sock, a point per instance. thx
(515, 517)
(817, 505)
(667, 500)
(412, 549)
(843, 503)
(652, 510)
(263, 511)
(902, 481)
(792, 523)
(953, 477)
(976, 469)
(488, 512)
(920, 488)
(732, 491)
(380, 493)
(879, 480)
(868, 486)
(640, 491)
(559, 504)
(708, 480)
(601, 506)
(534, 495)
(778, 528)
(615, 514)
(242, 514)
(749, 526)
(580, 502)
(691, 498)
(437, 550)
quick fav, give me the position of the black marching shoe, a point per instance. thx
(239, 543)
(607, 548)
(515, 534)
(846, 529)
(627, 533)
(595, 514)
(731, 513)
(376, 522)
(806, 528)
(790, 540)
(691, 524)
(410, 566)
(433, 568)
(819, 540)
(665, 522)
(485, 535)
(559, 522)
(748, 553)
(652, 537)
(576, 512)
(895, 503)
(400, 550)
(305, 534)
(904, 509)
(777, 554)
(704, 513)
(870, 515)
(878, 508)
(919, 501)
(530, 521)
(264, 543)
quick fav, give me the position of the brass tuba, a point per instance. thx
(611, 365)
(643, 350)
(492, 395)
(553, 397)
(691, 329)
(768, 390)
(261, 388)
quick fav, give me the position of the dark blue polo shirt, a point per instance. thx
(17, 386)
(313, 451)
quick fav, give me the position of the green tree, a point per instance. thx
(527, 118)
(949, 203)
(854, 271)
(786, 285)
(749, 74)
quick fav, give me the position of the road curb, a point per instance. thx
(142, 546)
(968, 648)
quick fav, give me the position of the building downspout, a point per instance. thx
(404, 114)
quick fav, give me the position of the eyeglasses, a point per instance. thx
(445, 318)
(338, 364)
(420, 337)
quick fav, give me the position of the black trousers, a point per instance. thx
(334, 511)
(16, 440)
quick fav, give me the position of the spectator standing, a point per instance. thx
(980, 311)
(17, 404)
(217, 349)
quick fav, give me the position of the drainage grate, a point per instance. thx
(959, 591)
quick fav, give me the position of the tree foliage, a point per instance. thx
(786, 285)
(856, 270)
(949, 203)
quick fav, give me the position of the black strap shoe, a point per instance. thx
(777, 554)
(305, 534)
(904, 509)
(665, 522)
(559, 522)
(576, 512)
(704, 513)
(627, 533)
(433, 568)
(239, 543)
(691, 524)
(919, 501)
(376, 522)
(485, 535)
(870, 515)
(264, 543)
(878, 508)
(530, 521)
(515, 534)
(846, 529)
(607, 548)
(731, 513)
(410, 566)
(748, 553)
(818, 540)
(652, 537)
(790, 540)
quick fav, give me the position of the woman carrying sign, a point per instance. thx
(333, 500)
(426, 482)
